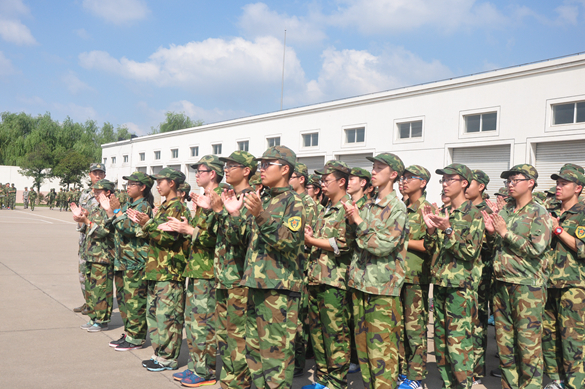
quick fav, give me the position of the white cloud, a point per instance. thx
(12, 30)
(13, 7)
(133, 128)
(76, 112)
(208, 116)
(73, 83)
(258, 20)
(118, 11)
(35, 100)
(6, 67)
(82, 33)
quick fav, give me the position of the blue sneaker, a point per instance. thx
(401, 378)
(354, 368)
(314, 386)
(182, 375)
(194, 381)
(152, 365)
(491, 320)
(409, 384)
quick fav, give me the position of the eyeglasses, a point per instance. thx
(197, 172)
(230, 167)
(133, 184)
(265, 165)
(293, 177)
(449, 181)
(408, 179)
(327, 182)
(515, 181)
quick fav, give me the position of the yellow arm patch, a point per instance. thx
(294, 223)
(580, 232)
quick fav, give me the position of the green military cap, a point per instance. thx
(281, 153)
(570, 175)
(419, 171)
(185, 188)
(503, 191)
(255, 179)
(212, 162)
(97, 166)
(301, 168)
(525, 169)
(361, 173)
(457, 168)
(391, 160)
(223, 185)
(143, 178)
(552, 190)
(170, 174)
(539, 195)
(104, 184)
(485, 196)
(481, 177)
(314, 180)
(244, 158)
(333, 165)
(572, 166)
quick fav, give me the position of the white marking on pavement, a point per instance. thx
(52, 218)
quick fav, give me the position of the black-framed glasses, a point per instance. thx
(515, 181)
(327, 182)
(294, 177)
(265, 164)
(197, 172)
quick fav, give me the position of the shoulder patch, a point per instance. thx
(580, 232)
(294, 223)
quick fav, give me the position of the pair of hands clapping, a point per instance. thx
(229, 200)
(434, 220)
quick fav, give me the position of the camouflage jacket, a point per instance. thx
(167, 251)
(51, 196)
(487, 252)
(230, 247)
(32, 195)
(521, 254)
(417, 266)
(11, 192)
(330, 267)
(86, 201)
(361, 202)
(275, 255)
(131, 251)
(200, 262)
(99, 241)
(377, 265)
(456, 258)
(568, 266)
(311, 211)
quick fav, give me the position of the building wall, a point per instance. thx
(10, 174)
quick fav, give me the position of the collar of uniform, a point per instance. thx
(483, 207)
(386, 200)
(169, 202)
(136, 202)
(416, 205)
(303, 194)
(463, 208)
(577, 208)
(277, 191)
(338, 205)
(510, 205)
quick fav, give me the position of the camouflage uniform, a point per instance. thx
(520, 266)
(274, 275)
(415, 292)
(376, 275)
(314, 180)
(32, 195)
(51, 198)
(564, 325)
(25, 193)
(2, 196)
(12, 197)
(455, 274)
(164, 273)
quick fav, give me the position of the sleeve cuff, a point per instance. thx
(333, 244)
(362, 228)
(262, 218)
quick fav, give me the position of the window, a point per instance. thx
(142, 156)
(481, 122)
(311, 140)
(273, 141)
(105, 160)
(355, 135)
(174, 153)
(125, 159)
(113, 160)
(410, 130)
(216, 149)
(195, 151)
(569, 113)
(244, 145)
(157, 155)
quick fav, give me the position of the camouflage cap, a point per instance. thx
(333, 165)
(551, 191)
(170, 174)
(572, 166)
(457, 168)
(97, 166)
(244, 158)
(281, 153)
(301, 168)
(361, 173)
(104, 184)
(503, 191)
(391, 160)
(212, 162)
(255, 179)
(570, 175)
(185, 188)
(314, 180)
(481, 177)
(143, 178)
(419, 171)
(525, 169)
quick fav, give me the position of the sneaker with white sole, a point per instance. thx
(476, 381)
(87, 325)
(409, 384)
(115, 343)
(354, 368)
(556, 384)
(98, 327)
(127, 346)
(152, 365)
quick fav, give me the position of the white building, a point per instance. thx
(532, 113)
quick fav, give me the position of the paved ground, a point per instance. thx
(40, 337)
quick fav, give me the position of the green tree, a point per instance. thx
(71, 168)
(37, 164)
(175, 121)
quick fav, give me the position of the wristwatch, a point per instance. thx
(448, 230)
(558, 230)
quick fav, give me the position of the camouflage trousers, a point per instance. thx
(81, 269)
(131, 292)
(454, 309)
(480, 323)
(378, 324)
(200, 324)
(32, 205)
(303, 330)
(413, 345)
(518, 312)
(99, 291)
(351, 323)
(165, 303)
(564, 336)
(329, 316)
(231, 337)
(271, 327)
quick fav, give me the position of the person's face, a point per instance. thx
(445, 199)
(311, 190)
(296, 181)
(566, 189)
(452, 184)
(411, 183)
(163, 186)
(134, 189)
(96, 175)
(234, 172)
(474, 190)
(272, 171)
(330, 185)
(382, 174)
(355, 184)
(203, 176)
(97, 192)
(518, 185)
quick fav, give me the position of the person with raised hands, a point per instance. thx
(98, 252)
(376, 274)
(163, 271)
(520, 235)
(454, 235)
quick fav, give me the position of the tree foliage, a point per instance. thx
(175, 121)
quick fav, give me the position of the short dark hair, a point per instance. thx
(339, 175)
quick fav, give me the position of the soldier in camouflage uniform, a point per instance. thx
(32, 196)
(200, 293)
(256, 182)
(51, 198)
(12, 196)
(415, 292)
(59, 198)
(183, 192)
(273, 271)
(164, 272)
(99, 253)
(314, 191)
(327, 275)
(455, 236)
(25, 197)
(564, 325)
(2, 196)
(520, 235)
(376, 274)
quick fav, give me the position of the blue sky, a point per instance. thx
(129, 61)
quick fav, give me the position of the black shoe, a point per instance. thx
(496, 373)
(115, 343)
(497, 355)
(125, 346)
(299, 372)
